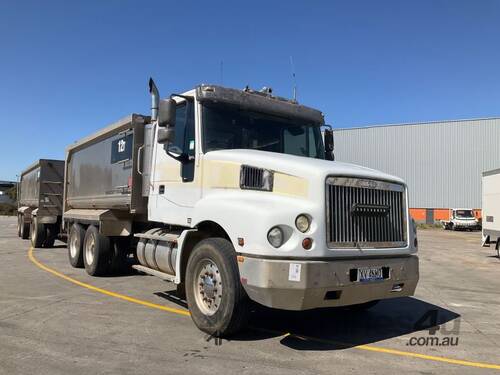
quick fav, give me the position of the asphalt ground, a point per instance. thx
(55, 319)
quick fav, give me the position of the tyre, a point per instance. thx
(216, 299)
(120, 248)
(497, 247)
(75, 245)
(25, 229)
(38, 233)
(19, 224)
(96, 252)
(51, 235)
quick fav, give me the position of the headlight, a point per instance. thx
(302, 222)
(275, 237)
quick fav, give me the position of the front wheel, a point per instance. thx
(216, 299)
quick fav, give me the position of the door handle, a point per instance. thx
(139, 160)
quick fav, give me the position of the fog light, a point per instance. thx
(302, 222)
(307, 243)
(275, 236)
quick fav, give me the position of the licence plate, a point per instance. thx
(368, 274)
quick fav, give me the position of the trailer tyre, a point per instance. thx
(217, 301)
(25, 229)
(51, 235)
(75, 245)
(38, 233)
(96, 252)
(19, 224)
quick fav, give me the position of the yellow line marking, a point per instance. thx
(104, 291)
(302, 337)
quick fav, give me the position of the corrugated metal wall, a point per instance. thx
(441, 162)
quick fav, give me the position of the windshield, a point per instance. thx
(464, 213)
(230, 128)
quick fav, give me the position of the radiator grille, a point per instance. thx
(365, 213)
(254, 178)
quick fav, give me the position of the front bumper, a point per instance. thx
(302, 285)
(466, 225)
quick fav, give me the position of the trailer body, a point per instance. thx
(40, 199)
(103, 184)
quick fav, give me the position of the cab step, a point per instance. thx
(152, 272)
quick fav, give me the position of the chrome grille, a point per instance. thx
(365, 213)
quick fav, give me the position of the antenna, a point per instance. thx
(222, 73)
(293, 79)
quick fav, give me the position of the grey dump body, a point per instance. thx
(102, 174)
(41, 188)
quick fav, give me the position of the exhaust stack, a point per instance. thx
(155, 100)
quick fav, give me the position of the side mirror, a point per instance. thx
(166, 120)
(329, 144)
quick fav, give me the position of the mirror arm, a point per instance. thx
(183, 158)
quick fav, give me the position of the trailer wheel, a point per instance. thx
(216, 299)
(75, 245)
(96, 252)
(19, 224)
(51, 235)
(38, 233)
(25, 229)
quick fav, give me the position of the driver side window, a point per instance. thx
(177, 146)
(184, 141)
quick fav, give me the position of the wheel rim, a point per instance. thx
(89, 250)
(73, 246)
(208, 287)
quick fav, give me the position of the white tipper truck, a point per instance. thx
(234, 196)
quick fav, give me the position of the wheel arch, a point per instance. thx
(204, 229)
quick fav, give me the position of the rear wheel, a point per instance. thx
(216, 299)
(19, 224)
(38, 233)
(120, 249)
(75, 245)
(51, 236)
(96, 252)
(25, 229)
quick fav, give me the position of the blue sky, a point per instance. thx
(68, 68)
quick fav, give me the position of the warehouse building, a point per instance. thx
(441, 161)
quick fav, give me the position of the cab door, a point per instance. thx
(175, 183)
